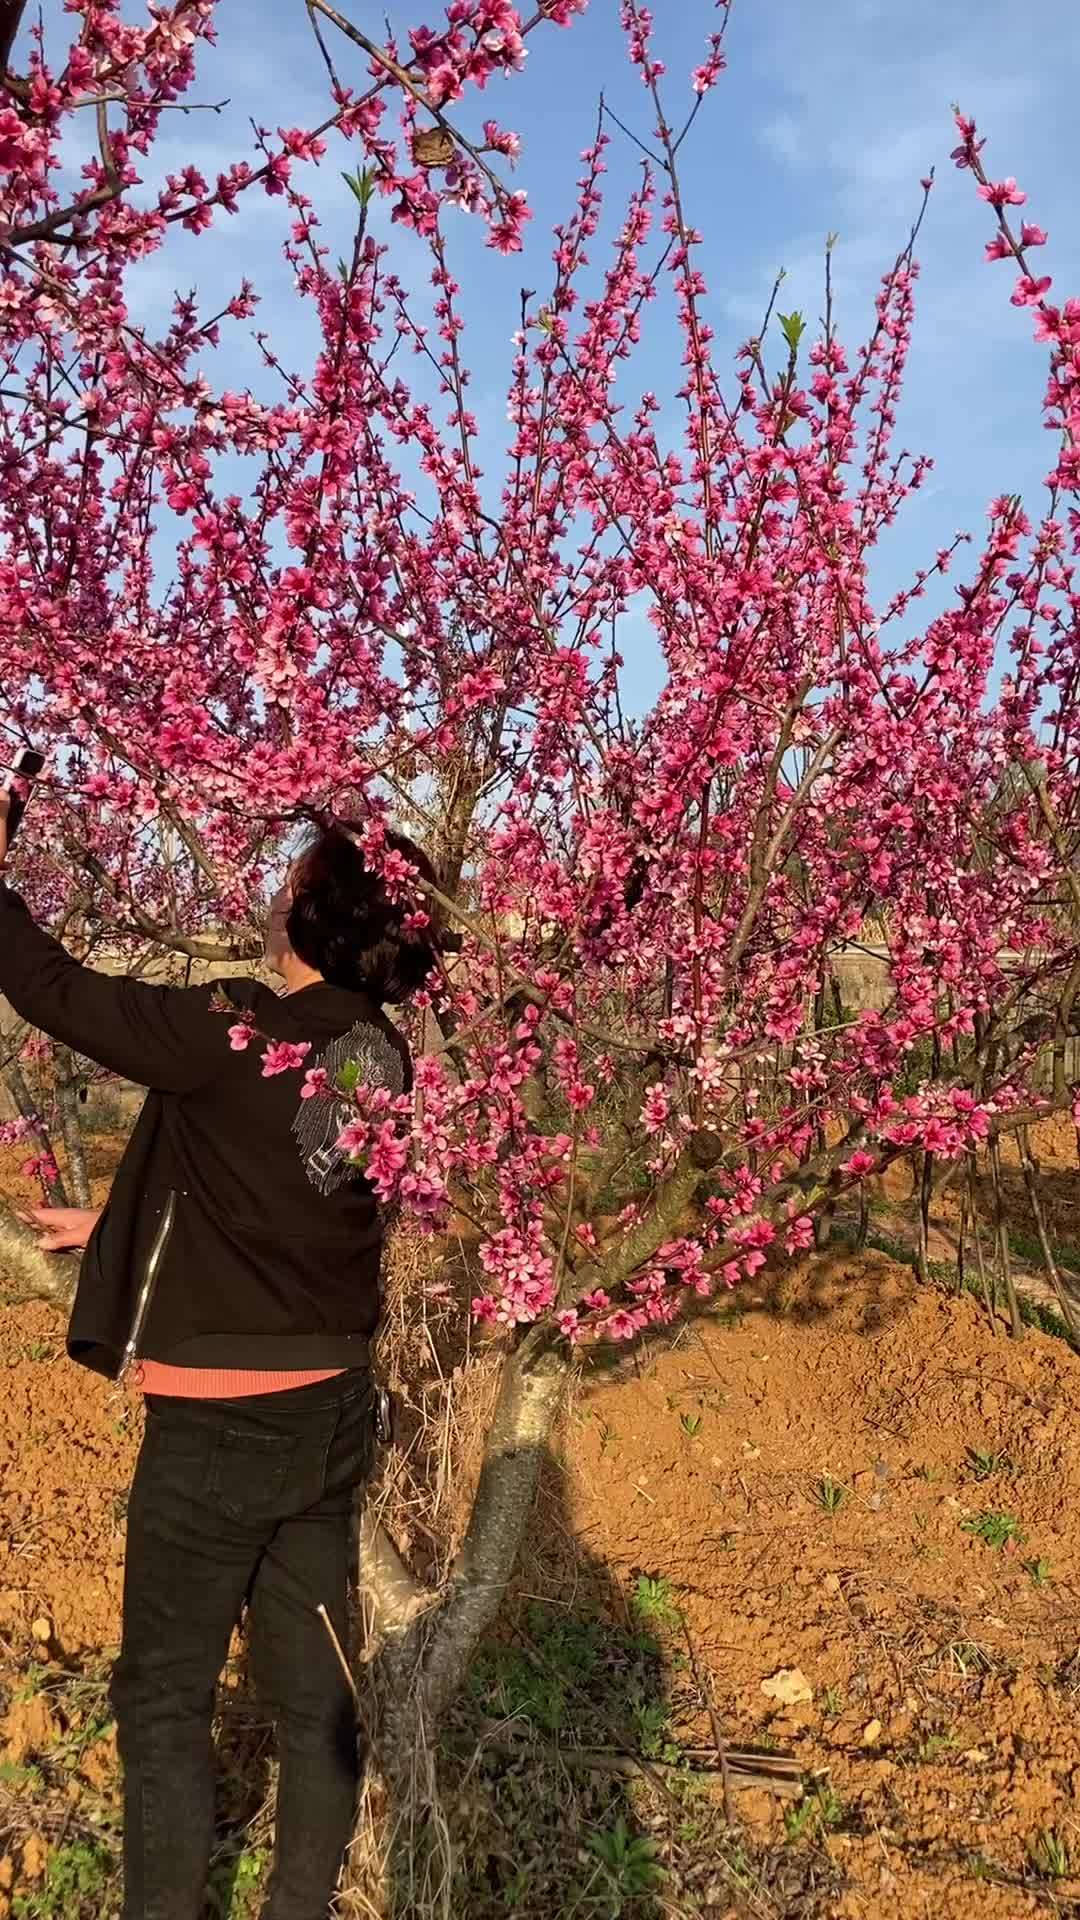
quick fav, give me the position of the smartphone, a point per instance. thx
(25, 767)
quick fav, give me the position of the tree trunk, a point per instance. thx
(11, 13)
(15, 1080)
(531, 1392)
(926, 1190)
(26, 1273)
(67, 1101)
(427, 1641)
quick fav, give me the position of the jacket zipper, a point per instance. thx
(146, 1291)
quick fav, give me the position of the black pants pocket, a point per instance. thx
(249, 1473)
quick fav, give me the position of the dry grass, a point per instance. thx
(445, 1384)
(445, 1387)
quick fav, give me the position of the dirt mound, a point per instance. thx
(67, 1450)
(863, 1482)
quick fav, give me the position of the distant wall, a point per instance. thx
(862, 974)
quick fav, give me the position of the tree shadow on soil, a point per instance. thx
(579, 1772)
(546, 1759)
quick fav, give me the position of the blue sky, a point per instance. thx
(825, 120)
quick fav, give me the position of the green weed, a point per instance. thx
(520, 1685)
(994, 1529)
(653, 1602)
(984, 1464)
(1049, 1854)
(25, 1780)
(691, 1425)
(629, 1863)
(653, 1728)
(968, 1657)
(1039, 1571)
(76, 1877)
(35, 1680)
(829, 1494)
(236, 1883)
(553, 1680)
(729, 1318)
(816, 1813)
(1028, 1246)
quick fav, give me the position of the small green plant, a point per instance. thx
(628, 1861)
(76, 1877)
(25, 1780)
(653, 1728)
(1039, 1571)
(40, 1350)
(1029, 1247)
(995, 1530)
(34, 1681)
(653, 1602)
(521, 1683)
(516, 1890)
(235, 1885)
(832, 1702)
(1049, 1854)
(984, 1464)
(604, 1432)
(816, 1813)
(968, 1657)
(829, 1494)
(691, 1425)
(930, 1750)
(1037, 1313)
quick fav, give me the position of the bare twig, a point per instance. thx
(339, 1652)
(1002, 1235)
(977, 1237)
(1065, 1300)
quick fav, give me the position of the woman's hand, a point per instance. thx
(62, 1229)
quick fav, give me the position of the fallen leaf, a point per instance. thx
(789, 1687)
(871, 1733)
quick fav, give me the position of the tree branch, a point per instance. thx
(36, 1275)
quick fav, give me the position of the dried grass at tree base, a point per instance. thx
(445, 1388)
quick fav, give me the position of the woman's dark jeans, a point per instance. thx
(234, 1501)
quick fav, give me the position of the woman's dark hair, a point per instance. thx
(346, 923)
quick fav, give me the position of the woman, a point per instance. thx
(234, 1277)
